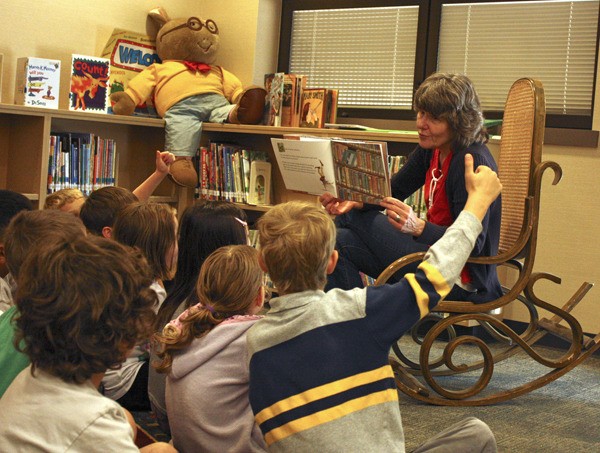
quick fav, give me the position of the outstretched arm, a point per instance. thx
(146, 189)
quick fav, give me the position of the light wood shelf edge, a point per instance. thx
(81, 116)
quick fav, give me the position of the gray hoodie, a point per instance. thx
(207, 393)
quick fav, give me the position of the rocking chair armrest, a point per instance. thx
(396, 265)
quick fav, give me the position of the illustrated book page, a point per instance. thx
(350, 170)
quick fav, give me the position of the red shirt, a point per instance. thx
(438, 207)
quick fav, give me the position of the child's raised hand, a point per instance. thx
(483, 187)
(164, 159)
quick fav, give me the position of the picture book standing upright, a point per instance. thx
(38, 82)
(129, 54)
(89, 83)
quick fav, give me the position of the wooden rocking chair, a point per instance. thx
(520, 169)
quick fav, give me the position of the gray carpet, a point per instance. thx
(563, 416)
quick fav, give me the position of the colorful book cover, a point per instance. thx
(89, 83)
(37, 82)
(313, 107)
(274, 84)
(129, 54)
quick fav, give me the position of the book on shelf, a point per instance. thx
(89, 83)
(224, 171)
(129, 54)
(349, 169)
(1, 72)
(274, 84)
(293, 84)
(260, 183)
(319, 106)
(37, 82)
(80, 160)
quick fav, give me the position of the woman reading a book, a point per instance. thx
(450, 124)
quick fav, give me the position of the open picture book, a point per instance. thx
(349, 169)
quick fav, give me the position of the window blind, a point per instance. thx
(368, 54)
(497, 43)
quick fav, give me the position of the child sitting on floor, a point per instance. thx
(27, 231)
(320, 378)
(204, 351)
(203, 227)
(82, 304)
(151, 228)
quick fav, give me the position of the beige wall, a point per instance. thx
(570, 215)
(56, 29)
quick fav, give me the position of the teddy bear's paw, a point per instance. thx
(250, 107)
(183, 173)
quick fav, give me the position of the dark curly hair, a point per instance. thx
(82, 304)
(452, 97)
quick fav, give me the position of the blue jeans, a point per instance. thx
(183, 121)
(368, 243)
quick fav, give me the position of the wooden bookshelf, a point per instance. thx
(259, 138)
(24, 147)
(25, 135)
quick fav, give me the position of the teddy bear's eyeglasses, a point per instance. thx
(193, 23)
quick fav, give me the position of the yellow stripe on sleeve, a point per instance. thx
(435, 278)
(327, 415)
(324, 391)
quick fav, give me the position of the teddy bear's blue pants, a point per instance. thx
(183, 121)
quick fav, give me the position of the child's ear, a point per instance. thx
(333, 259)
(260, 298)
(261, 263)
(107, 232)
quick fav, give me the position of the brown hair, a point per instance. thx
(296, 240)
(452, 97)
(28, 229)
(102, 206)
(83, 304)
(230, 280)
(151, 227)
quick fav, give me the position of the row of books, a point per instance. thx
(233, 173)
(81, 161)
(290, 103)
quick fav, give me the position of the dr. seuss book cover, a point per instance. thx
(89, 83)
(129, 54)
(37, 82)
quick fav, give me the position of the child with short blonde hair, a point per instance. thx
(204, 351)
(320, 378)
(67, 200)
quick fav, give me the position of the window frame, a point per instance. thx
(428, 33)
(287, 11)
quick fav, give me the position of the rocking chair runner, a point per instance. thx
(520, 170)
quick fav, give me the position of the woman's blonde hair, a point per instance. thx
(296, 240)
(229, 282)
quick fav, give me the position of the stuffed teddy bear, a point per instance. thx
(189, 89)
